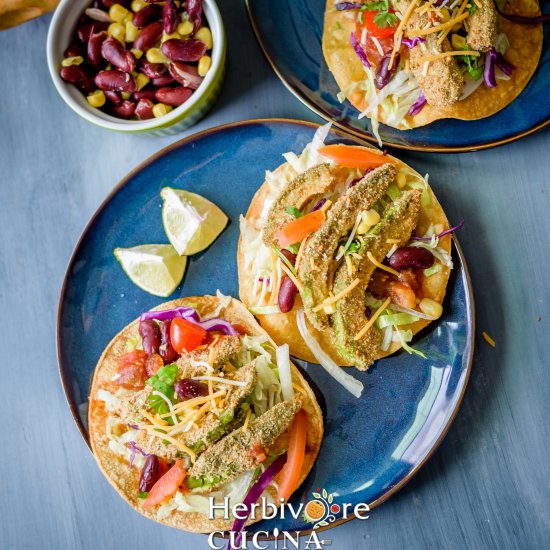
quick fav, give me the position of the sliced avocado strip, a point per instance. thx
(397, 223)
(320, 250)
(304, 188)
(232, 456)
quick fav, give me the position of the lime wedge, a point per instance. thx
(192, 223)
(155, 268)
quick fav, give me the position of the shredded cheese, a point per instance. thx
(201, 412)
(338, 296)
(477, 3)
(158, 422)
(449, 24)
(169, 403)
(292, 277)
(372, 320)
(300, 253)
(392, 241)
(381, 266)
(326, 206)
(175, 442)
(247, 419)
(459, 13)
(299, 389)
(488, 339)
(399, 31)
(220, 380)
(191, 403)
(428, 58)
(349, 265)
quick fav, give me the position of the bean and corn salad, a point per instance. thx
(139, 59)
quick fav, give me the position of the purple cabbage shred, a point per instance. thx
(417, 106)
(361, 54)
(442, 234)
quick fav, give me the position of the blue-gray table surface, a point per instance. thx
(487, 486)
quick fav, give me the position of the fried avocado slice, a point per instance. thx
(320, 249)
(442, 84)
(233, 455)
(397, 223)
(304, 188)
(213, 427)
(482, 35)
(216, 355)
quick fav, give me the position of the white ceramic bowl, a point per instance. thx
(186, 115)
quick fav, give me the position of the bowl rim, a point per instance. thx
(104, 120)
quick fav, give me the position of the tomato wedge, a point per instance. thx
(185, 335)
(131, 372)
(374, 29)
(290, 474)
(353, 157)
(300, 228)
(166, 486)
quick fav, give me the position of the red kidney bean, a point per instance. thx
(287, 294)
(84, 31)
(111, 3)
(290, 256)
(189, 389)
(147, 15)
(94, 48)
(194, 9)
(411, 256)
(76, 48)
(144, 108)
(150, 336)
(152, 70)
(185, 74)
(183, 50)
(145, 93)
(126, 109)
(115, 53)
(113, 96)
(173, 96)
(116, 80)
(163, 80)
(170, 17)
(148, 36)
(166, 351)
(76, 75)
(149, 474)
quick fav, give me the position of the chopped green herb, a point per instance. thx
(471, 64)
(293, 211)
(354, 246)
(163, 382)
(294, 248)
(142, 494)
(384, 18)
(472, 8)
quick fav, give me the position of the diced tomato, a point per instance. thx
(300, 228)
(166, 486)
(153, 364)
(402, 295)
(409, 277)
(258, 454)
(354, 157)
(370, 47)
(290, 474)
(185, 335)
(131, 370)
(374, 29)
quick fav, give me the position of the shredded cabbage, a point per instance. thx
(310, 156)
(257, 256)
(111, 401)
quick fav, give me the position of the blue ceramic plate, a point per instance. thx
(372, 445)
(290, 31)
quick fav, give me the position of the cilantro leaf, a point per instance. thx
(354, 246)
(163, 382)
(293, 211)
(472, 8)
(385, 19)
(143, 494)
(294, 248)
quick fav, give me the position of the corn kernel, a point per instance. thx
(118, 13)
(155, 55)
(76, 60)
(117, 30)
(204, 35)
(401, 180)
(125, 95)
(368, 219)
(131, 31)
(185, 28)
(137, 53)
(458, 42)
(117, 429)
(430, 307)
(444, 15)
(456, 27)
(96, 99)
(204, 65)
(142, 81)
(160, 109)
(136, 5)
(166, 37)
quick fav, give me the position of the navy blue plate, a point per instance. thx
(372, 445)
(290, 32)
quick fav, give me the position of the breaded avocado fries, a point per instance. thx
(344, 254)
